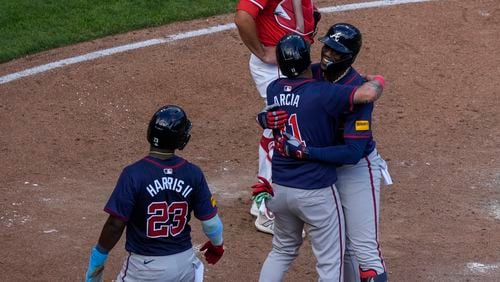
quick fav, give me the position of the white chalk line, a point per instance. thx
(179, 36)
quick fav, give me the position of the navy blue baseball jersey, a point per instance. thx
(312, 106)
(156, 197)
(354, 127)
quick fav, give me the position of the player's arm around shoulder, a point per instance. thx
(369, 91)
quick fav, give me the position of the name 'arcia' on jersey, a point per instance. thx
(168, 183)
(287, 99)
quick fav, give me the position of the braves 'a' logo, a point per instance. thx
(336, 36)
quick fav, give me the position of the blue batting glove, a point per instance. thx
(96, 265)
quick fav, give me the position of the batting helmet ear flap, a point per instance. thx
(184, 139)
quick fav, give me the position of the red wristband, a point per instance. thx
(380, 80)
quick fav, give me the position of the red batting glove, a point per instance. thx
(276, 119)
(213, 253)
(272, 117)
(262, 186)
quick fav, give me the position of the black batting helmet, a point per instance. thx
(169, 128)
(293, 55)
(344, 39)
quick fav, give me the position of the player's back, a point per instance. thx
(156, 198)
(312, 107)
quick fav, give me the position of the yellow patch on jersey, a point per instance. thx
(362, 125)
(212, 200)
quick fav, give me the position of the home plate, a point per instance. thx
(479, 268)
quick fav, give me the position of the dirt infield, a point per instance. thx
(66, 134)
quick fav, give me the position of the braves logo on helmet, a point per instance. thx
(336, 36)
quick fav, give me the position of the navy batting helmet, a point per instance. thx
(293, 55)
(344, 39)
(169, 128)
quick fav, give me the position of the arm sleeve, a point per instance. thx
(350, 153)
(213, 229)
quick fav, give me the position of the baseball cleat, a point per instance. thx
(264, 224)
(265, 219)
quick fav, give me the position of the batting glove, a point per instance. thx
(271, 117)
(262, 186)
(289, 146)
(213, 253)
(96, 265)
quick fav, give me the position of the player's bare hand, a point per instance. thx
(300, 27)
(269, 55)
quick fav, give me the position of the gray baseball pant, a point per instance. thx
(320, 211)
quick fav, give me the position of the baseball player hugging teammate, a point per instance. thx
(153, 199)
(304, 191)
(261, 23)
(358, 180)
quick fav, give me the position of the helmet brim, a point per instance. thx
(334, 45)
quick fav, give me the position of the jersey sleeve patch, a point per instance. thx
(362, 125)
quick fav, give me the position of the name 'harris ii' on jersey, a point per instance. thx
(169, 183)
(156, 198)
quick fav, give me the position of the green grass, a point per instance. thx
(31, 26)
